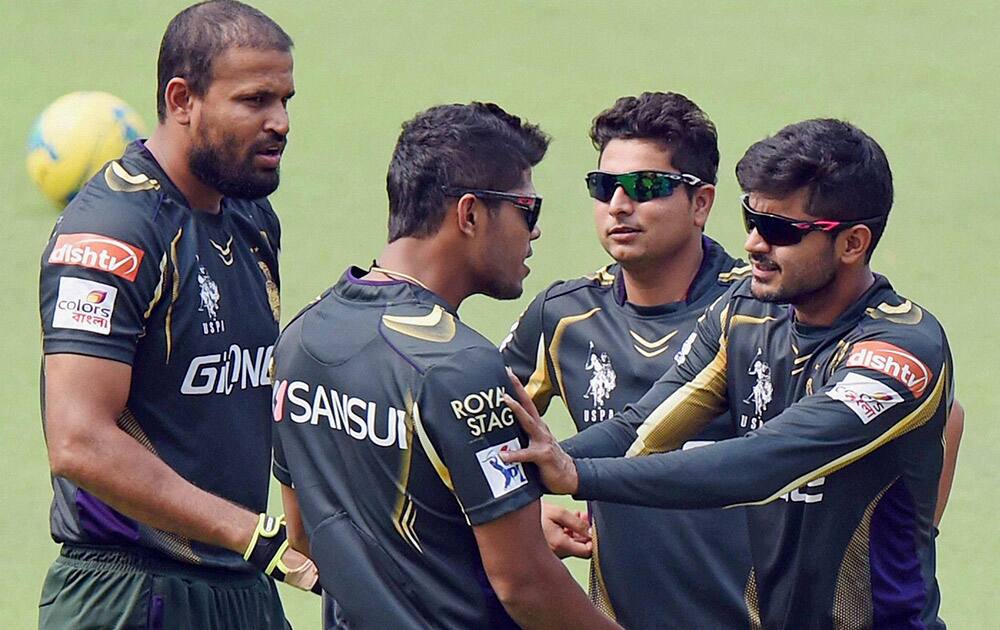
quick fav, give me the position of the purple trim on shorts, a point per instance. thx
(101, 523)
(897, 583)
(155, 619)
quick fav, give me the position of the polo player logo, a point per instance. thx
(762, 390)
(603, 378)
(208, 291)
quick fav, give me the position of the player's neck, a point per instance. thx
(171, 154)
(824, 307)
(420, 261)
(665, 280)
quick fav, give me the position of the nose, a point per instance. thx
(277, 120)
(620, 202)
(755, 244)
(535, 233)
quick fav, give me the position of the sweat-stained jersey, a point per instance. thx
(840, 453)
(390, 425)
(190, 301)
(583, 341)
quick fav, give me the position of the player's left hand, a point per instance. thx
(556, 467)
(567, 533)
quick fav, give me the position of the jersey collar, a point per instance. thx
(353, 287)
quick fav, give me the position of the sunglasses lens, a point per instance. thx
(774, 230)
(601, 186)
(652, 186)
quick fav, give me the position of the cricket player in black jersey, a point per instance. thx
(159, 309)
(600, 342)
(838, 386)
(389, 411)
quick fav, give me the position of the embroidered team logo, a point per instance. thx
(503, 478)
(208, 291)
(763, 390)
(602, 376)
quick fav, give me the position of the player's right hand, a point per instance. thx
(557, 469)
(269, 551)
(567, 533)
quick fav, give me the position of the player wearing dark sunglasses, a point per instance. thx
(599, 343)
(838, 387)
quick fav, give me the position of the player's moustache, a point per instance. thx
(271, 142)
(764, 262)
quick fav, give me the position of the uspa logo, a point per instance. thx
(84, 305)
(95, 251)
(503, 478)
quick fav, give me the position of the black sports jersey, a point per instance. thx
(841, 451)
(583, 341)
(390, 425)
(190, 301)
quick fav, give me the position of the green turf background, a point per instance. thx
(921, 77)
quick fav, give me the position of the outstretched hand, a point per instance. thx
(556, 467)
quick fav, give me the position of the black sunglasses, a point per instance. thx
(530, 205)
(777, 230)
(638, 185)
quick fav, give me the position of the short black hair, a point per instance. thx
(200, 33)
(673, 120)
(478, 145)
(845, 170)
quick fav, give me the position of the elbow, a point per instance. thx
(518, 588)
(69, 454)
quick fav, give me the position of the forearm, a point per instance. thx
(552, 599)
(119, 471)
(610, 438)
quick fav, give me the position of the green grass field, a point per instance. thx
(921, 77)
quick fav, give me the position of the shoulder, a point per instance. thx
(568, 296)
(894, 325)
(428, 336)
(261, 215)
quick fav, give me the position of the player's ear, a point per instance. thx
(179, 100)
(467, 214)
(701, 204)
(853, 244)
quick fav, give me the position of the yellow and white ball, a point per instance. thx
(76, 135)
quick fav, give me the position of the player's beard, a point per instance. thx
(799, 283)
(221, 166)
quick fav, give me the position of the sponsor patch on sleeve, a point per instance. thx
(95, 251)
(503, 478)
(865, 396)
(893, 362)
(84, 305)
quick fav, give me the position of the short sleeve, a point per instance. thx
(464, 422)
(279, 465)
(101, 274)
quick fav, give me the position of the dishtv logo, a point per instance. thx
(95, 251)
(891, 361)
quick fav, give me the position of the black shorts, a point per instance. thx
(101, 587)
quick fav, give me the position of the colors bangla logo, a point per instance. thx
(96, 251)
(96, 297)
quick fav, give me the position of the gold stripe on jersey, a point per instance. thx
(752, 600)
(437, 326)
(597, 588)
(175, 291)
(651, 349)
(405, 512)
(174, 545)
(539, 385)
(917, 418)
(736, 320)
(428, 446)
(692, 405)
(557, 339)
(158, 292)
(603, 277)
(907, 313)
(736, 273)
(120, 180)
(852, 598)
